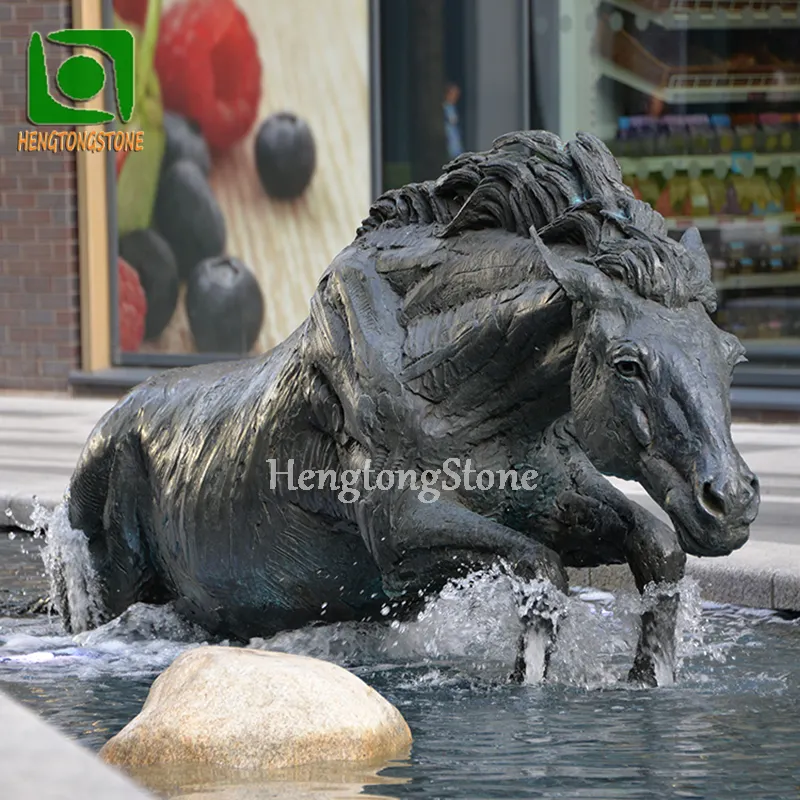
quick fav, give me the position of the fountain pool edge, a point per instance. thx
(28, 742)
(759, 575)
(17, 510)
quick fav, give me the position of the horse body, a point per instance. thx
(447, 329)
(176, 495)
(173, 493)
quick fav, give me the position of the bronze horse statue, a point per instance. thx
(523, 310)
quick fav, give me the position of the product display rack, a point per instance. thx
(720, 163)
(754, 226)
(713, 14)
(716, 87)
(705, 122)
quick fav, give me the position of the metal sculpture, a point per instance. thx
(522, 311)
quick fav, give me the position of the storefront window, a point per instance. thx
(255, 171)
(425, 90)
(453, 78)
(700, 102)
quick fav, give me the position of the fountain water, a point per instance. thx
(729, 728)
(69, 568)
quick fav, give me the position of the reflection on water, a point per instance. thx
(312, 782)
(730, 728)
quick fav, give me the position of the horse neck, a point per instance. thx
(485, 342)
(504, 380)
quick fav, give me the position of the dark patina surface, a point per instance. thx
(523, 309)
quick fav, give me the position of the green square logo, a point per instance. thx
(80, 77)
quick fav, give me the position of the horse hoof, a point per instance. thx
(518, 675)
(643, 675)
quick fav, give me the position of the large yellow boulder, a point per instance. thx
(252, 709)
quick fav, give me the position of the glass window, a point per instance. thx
(424, 86)
(453, 78)
(700, 102)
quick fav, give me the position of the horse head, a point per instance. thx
(645, 370)
(651, 380)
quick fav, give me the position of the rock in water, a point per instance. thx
(252, 709)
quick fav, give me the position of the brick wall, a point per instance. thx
(39, 300)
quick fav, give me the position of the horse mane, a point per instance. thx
(571, 194)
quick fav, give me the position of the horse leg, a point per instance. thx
(431, 540)
(590, 523)
(606, 521)
(539, 634)
(105, 504)
(655, 556)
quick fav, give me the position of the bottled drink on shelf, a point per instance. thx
(748, 263)
(702, 139)
(734, 254)
(776, 257)
(723, 132)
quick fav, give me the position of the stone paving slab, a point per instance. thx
(759, 575)
(41, 438)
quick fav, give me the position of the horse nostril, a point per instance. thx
(712, 500)
(750, 494)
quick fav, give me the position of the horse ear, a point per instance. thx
(582, 283)
(692, 240)
(693, 243)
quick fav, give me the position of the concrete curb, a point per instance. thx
(40, 763)
(760, 575)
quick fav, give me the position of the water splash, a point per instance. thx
(142, 622)
(476, 618)
(138, 644)
(473, 626)
(74, 587)
(38, 518)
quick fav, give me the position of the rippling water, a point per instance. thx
(730, 728)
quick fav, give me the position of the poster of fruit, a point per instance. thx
(255, 170)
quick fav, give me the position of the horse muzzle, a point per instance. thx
(717, 519)
(728, 498)
(713, 512)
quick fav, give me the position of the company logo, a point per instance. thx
(80, 78)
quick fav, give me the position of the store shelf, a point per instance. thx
(718, 87)
(780, 280)
(693, 15)
(731, 162)
(775, 221)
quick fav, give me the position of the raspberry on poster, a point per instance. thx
(209, 69)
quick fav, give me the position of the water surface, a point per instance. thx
(730, 728)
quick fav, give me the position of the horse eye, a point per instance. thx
(629, 368)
